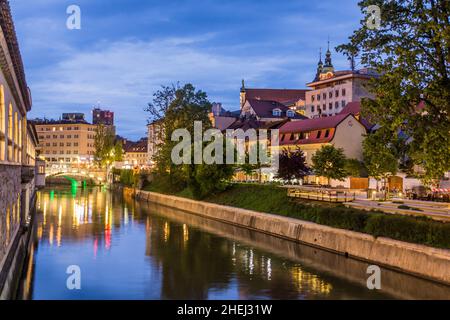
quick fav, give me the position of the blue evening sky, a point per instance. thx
(127, 49)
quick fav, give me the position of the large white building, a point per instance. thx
(333, 90)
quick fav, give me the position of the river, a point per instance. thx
(124, 249)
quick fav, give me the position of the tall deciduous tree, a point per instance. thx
(411, 52)
(107, 150)
(180, 108)
(329, 162)
(380, 157)
(292, 165)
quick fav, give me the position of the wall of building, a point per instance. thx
(66, 144)
(349, 136)
(10, 190)
(342, 92)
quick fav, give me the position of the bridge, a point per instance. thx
(77, 176)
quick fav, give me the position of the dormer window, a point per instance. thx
(276, 112)
(290, 113)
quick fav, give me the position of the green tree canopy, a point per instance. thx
(107, 150)
(380, 157)
(179, 108)
(411, 53)
(329, 162)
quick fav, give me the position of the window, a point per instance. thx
(69, 144)
(75, 144)
(343, 92)
(312, 108)
(336, 104)
(336, 93)
(330, 106)
(48, 137)
(343, 103)
(69, 136)
(61, 136)
(48, 144)
(55, 136)
(327, 133)
(276, 112)
(324, 96)
(313, 98)
(318, 97)
(61, 144)
(331, 94)
(290, 113)
(324, 107)
(319, 133)
(55, 144)
(76, 136)
(10, 122)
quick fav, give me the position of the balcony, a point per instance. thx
(27, 174)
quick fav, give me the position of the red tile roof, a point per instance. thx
(137, 147)
(285, 139)
(279, 95)
(264, 109)
(313, 124)
(354, 108)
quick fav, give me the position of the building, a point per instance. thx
(64, 144)
(104, 117)
(268, 111)
(333, 90)
(343, 131)
(136, 154)
(220, 118)
(289, 97)
(17, 156)
(155, 139)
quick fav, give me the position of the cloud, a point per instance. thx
(124, 74)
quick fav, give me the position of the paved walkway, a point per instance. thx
(434, 210)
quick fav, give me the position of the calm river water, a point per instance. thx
(130, 250)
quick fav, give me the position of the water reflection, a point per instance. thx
(131, 250)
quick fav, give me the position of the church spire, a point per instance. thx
(328, 62)
(319, 66)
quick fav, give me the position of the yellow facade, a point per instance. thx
(66, 143)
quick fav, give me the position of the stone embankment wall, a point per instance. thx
(423, 261)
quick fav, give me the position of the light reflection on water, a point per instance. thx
(129, 250)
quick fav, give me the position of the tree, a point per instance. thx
(379, 157)
(410, 51)
(329, 162)
(180, 108)
(355, 168)
(292, 165)
(107, 150)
